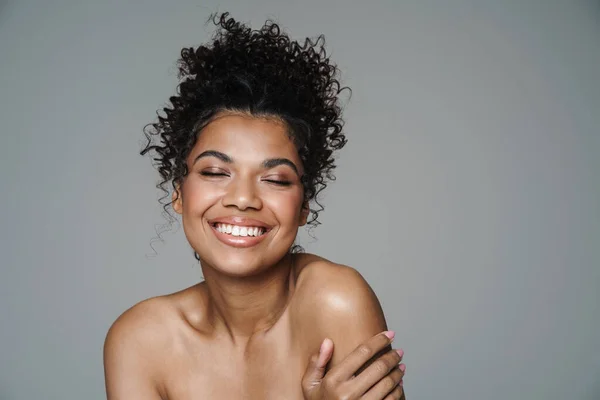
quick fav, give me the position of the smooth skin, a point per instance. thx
(264, 324)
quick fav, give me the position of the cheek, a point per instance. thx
(198, 196)
(285, 206)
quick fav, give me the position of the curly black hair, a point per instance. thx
(262, 72)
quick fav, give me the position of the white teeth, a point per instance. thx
(243, 231)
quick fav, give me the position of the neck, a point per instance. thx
(246, 306)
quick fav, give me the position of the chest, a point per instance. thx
(272, 371)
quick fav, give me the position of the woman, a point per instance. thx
(247, 144)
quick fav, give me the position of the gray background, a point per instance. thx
(468, 195)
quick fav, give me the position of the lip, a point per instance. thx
(240, 221)
(238, 241)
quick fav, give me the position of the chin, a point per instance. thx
(240, 262)
(237, 263)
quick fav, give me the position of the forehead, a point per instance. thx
(246, 137)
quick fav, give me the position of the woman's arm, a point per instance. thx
(130, 356)
(351, 313)
(347, 311)
(341, 305)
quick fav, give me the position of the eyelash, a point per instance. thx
(280, 183)
(208, 173)
(275, 182)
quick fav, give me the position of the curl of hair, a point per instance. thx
(262, 72)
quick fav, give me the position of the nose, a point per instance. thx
(242, 194)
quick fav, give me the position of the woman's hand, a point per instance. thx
(378, 376)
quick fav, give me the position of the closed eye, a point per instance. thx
(276, 182)
(209, 173)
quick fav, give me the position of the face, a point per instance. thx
(242, 200)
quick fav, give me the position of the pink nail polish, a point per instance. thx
(402, 367)
(322, 348)
(400, 352)
(390, 334)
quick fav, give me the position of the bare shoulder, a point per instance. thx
(138, 344)
(152, 323)
(133, 347)
(339, 303)
(340, 286)
(138, 325)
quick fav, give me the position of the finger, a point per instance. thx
(316, 366)
(378, 370)
(360, 356)
(396, 394)
(325, 353)
(384, 385)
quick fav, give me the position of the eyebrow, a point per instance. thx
(274, 162)
(213, 153)
(267, 164)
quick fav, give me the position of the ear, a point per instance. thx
(177, 201)
(304, 214)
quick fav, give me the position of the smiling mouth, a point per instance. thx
(239, 230)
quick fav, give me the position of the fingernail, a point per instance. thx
(401, 383)
(400, 352)
(390, 334)
(322, 346)
(402, 367)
